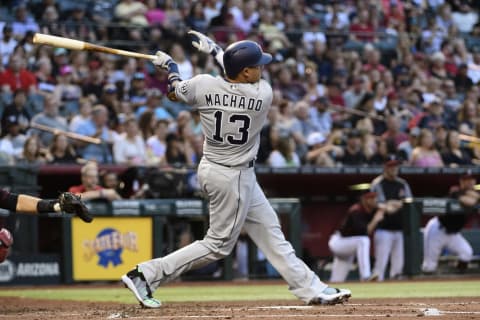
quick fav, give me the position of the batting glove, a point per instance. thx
(202, 42)
(206, 45)
(162, 60)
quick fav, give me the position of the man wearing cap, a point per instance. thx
(352, 240)
(443, 232)
(388, 237)
(353, 154)
(7, 44)
(138, 91)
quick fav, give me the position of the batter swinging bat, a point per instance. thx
(71, 44)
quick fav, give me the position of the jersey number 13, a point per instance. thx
(244, 124)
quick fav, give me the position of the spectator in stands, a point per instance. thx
(85, 112)
(49, 22)
(291, 89)
(473, 67)
(67, 92)
(132, 12)
(393, 132)
(90, 189)
(185, 66)
(320, 115)
(302, 126)
(154, 104)
(283, 154)
(196, 19)
(178, 152)
(362, 28)
(467, 117)
(462, 80)
(7, 45)
(405, 148)
(384, 149)
(465, 18)
(388, 236)
(16, 111)
(146, 124)
(352, 154)
(138, 91)
(78, 25)
(455, 155)
(61, 151)
(13, 139)
(96, 127)
(50, 118)
(424, 154)
(129, 148)
(16, 76)
(321, 152)
(110, 101)
(157, 144)
(32, 153)
(354, 94)
(435, 115)
(245, 17)
(23, 22)
(444, 232)
(351, 241)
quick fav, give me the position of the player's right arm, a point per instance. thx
(165, 62)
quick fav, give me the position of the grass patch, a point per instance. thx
(233, 292)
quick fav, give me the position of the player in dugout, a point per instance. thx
(233, 110)
(443, 232)
(352, 239)
(66, 202)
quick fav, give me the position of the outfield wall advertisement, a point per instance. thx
(109, 246)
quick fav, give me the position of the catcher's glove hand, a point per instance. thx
(71, 203)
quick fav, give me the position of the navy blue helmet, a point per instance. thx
(242, 54)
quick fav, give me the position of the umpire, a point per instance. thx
(388, 237)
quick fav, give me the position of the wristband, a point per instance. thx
(46, 206)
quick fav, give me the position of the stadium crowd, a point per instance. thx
(354, 81)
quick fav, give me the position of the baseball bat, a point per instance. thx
(72, 135)
(469, 138)
(61, 42)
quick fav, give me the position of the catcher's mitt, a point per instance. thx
(71, 203)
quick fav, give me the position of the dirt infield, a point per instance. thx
(446, 308)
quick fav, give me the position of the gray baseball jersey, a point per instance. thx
(232, 115)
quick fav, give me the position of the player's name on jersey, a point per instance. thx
(233, 101)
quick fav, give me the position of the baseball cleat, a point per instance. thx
(332, 296)
(135, 281)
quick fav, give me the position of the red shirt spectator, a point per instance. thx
(17, 77)
(363, 29)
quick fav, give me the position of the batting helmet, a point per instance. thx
(243, 54)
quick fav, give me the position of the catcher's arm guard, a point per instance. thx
(72, 203)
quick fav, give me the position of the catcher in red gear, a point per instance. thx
(66, 203)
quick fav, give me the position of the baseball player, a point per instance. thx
(67, 202)
(233, 110)
(388, 237)
(352, 240)
(444, 231)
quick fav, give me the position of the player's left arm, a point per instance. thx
(206, 45)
